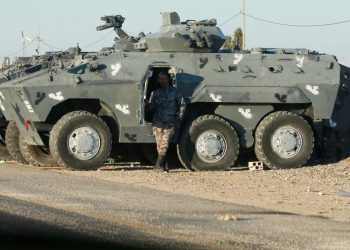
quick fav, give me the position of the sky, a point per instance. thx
(63, 24)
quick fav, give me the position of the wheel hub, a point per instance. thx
(84, 143)
(287, 142)
(211, 146)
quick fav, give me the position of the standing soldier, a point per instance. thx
(167, 107)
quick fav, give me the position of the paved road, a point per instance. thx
(54, 210)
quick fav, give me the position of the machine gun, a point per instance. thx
(123, 42)
(115, 22)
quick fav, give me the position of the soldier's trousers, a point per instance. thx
(163, 137)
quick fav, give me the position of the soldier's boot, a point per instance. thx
(165, 165)
(159, 164)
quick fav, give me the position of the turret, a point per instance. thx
(174, 35)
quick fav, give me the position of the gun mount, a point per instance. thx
(115, 22)
(174, 36)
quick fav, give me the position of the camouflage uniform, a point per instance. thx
(163, 137)
(167, 106)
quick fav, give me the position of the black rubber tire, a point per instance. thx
(36, 155)
(12, 143)
(186, 147)
(265, 131)
(2, 134)
(2, 145)
(62, 130)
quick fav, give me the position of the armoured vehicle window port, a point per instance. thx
(263, 98)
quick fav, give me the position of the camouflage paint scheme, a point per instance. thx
(242, 87)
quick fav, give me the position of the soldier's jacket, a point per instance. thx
(167, 105)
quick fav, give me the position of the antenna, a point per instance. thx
(38, 40)
(244, 29)
(24, 39)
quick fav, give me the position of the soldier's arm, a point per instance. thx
(150, 103)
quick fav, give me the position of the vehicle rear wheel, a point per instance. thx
(2, 145)
(4, 154)
(80, 141)
(284, 140)
(209, 143)
(12, 142)
(38, 156)
(2, 135)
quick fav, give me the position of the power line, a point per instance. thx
(230, 19)
(296, 25)
(285, 24)
(19, 51)
(51, 46)
(97, 41)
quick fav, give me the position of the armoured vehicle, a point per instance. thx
(262, 98)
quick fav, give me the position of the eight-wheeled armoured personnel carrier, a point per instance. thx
(262, 98)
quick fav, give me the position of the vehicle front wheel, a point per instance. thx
(284, 140)
(209, 143)
(81, 141)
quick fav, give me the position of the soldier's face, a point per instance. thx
(163, 80)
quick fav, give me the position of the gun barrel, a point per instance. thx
(111, 22)
(103, 27)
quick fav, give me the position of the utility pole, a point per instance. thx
(244, 29)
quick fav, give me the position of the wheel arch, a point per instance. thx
(94, 106)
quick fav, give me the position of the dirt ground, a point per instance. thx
(317, 191)
(320, 190)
